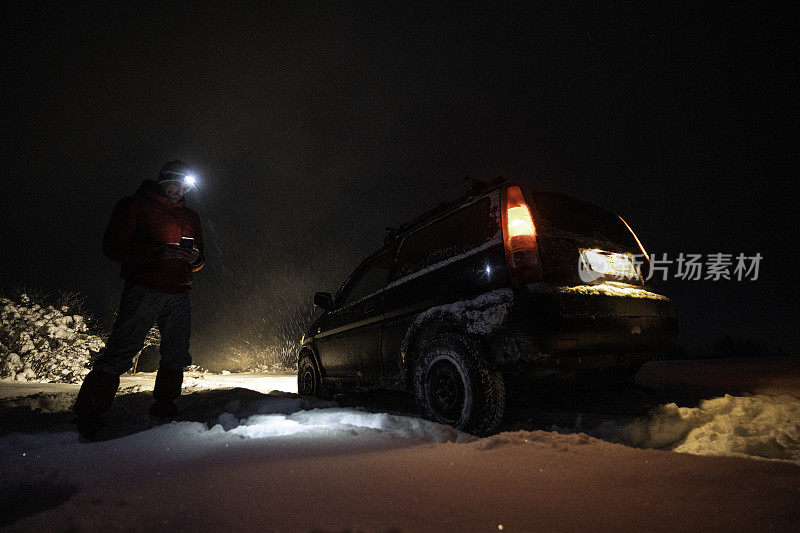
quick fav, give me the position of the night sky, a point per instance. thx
(313, 128)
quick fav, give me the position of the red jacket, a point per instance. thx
(139, 226)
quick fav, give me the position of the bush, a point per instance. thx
(47, 343)
(279, 356)
(148, 358)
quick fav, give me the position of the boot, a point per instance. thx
(166, 390)
(95, 398)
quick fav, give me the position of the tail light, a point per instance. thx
(519, 237)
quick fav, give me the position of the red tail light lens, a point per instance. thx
(519, 237)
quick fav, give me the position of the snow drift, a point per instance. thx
(761, 426)
(279, 462)
(43, 343)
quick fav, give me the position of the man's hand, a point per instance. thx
(175, 251)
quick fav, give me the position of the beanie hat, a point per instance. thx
(174, 170)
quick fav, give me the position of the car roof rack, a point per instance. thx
(475, 188)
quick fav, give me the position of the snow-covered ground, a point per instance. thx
(246, 458)
(130, 383)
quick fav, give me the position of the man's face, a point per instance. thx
(174, 190)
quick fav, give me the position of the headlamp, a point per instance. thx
(186, 179)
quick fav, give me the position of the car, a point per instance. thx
(502, 287)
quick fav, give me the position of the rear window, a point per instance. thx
(455, 234)
(581, 217)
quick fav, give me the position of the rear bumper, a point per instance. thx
(593, 329)
(610, 334)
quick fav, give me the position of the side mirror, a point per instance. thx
(324, 300)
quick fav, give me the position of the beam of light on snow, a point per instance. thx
(277, 425)
(318, 422)
(271, 426)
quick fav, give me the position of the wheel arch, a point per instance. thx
(309, 350)
(478, 320)
(422, 332)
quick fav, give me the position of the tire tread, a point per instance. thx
(489, 389)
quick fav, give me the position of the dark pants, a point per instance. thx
(140, 308)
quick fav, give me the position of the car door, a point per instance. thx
(438, 263)
(349, 340)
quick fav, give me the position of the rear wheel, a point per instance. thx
(309, 380)
(453, 386)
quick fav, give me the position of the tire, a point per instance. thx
(453, 386)
(309, 380)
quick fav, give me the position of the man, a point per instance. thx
(144, 235)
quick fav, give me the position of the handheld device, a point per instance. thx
(187, 242)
